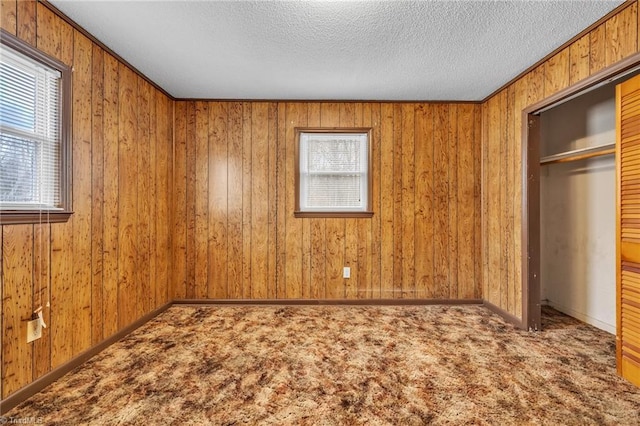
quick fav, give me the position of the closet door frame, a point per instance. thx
(530, 151)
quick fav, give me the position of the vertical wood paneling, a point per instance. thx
(17, 281)
(597, 49)
(465, 206)
(179, 234)
(579, 59)
(201, 191)
(93, 269)
(440, 202)
(110, 203)
(408, 201)
(247, 145)
(234, 209)
(217, 167)
(386, 210)
(26, 21)
(317, 247)
(190, 198)
(97, 195)
(452, 201)
(621, 35)
(127, 197)
(8, 19)
(376, 225)
(82, 197)
(259, 200)
(143, 258)
(41, 296)
(424, 201)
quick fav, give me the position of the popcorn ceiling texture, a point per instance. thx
(340, 50)
(346, 365)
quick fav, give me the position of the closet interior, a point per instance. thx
(578, 207)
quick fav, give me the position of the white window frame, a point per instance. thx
(361, 136)
(23, 56)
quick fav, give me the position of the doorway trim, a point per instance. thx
(530, 151)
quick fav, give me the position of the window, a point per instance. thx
(334, 174)
(34, 117)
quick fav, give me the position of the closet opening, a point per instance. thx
(569, 215)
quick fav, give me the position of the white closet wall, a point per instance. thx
(578, 211)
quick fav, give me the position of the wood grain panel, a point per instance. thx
(260, 200)
(110, 202)
(143, 206)
(8, 19)
(41, 296)
(179, 234)
(218, 183)
(424, 226)
(247, 146)
(97, 195)
(579, 59)
(386, 209)
(621, 35)
(190, 199)
(440, 166)
(17, 282)
(127, 197)
(82, 199)
(234, 202)
(88, 269)
(26, 20)
(408, 201)
(201, 195)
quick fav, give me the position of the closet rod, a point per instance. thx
(579, 154)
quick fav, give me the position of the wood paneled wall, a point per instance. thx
(235, 236)
(502, 201)
(109, 265)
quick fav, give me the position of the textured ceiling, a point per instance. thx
(340, 50)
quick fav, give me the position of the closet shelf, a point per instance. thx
(579, 154)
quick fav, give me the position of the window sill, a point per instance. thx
(26, 217)
(333, 214)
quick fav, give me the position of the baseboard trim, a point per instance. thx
(324, 302)
(510, 318)
(39, 384)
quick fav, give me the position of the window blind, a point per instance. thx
(333, 172)
(30, 145)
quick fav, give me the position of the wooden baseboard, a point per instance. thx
(335, 302)
(44, 381)
(504, 314)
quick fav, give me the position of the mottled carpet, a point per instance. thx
(331, 365)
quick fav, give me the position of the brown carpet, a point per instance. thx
(345, 365)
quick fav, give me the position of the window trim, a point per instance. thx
(8, 217)
(334, 214)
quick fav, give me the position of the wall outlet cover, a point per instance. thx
(34, 330)
(346, 272)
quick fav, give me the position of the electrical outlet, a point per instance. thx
(346, 272)
(34, 330)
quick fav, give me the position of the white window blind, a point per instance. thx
(30, 143)
(333, 172)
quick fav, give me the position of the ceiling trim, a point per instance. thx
(103, 46)
(569, 42)
(330, 101)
